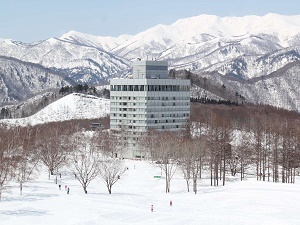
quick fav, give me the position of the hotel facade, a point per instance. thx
(147, 100)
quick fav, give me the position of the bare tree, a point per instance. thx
(146, 143)
(118, 141)
(110, 171)
(51, 146)
(242, 153)
(191, 161)
(8, 156)
(84, 159)
(105, 142)
(198, 146)
(186, 161)
(167, 145)
(26, 169)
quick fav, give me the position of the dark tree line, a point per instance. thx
(213, 101)
(78, 89)
(86, 89)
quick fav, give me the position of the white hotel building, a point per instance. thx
(148, 100)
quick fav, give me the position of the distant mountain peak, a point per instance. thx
(241, 48)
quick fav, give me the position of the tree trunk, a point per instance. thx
(21, 188)
(167, 183)
(200, 171)
(282, 173)
(224, 170)
(211, 174)
(195, 185)
(268, 170)
(188, 185)
(56, 177)
(242, 169)
(220, 170)
(217, 173)
(84, 188)
(294, 176)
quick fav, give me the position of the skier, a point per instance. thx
(65, 187)
(59, 186)
(68, 190)
(171, 202)
(151, 208)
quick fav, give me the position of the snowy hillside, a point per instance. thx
(249, 202)
(72, 106)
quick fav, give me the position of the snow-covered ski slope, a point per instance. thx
(72, 106)
(248, 202)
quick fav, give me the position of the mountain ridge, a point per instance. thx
(241, 48)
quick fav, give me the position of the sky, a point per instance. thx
(34, 20)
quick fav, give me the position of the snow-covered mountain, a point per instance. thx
(72, 106)
(106, 43)
(82, 63)
(207, 33)
(20, 80)
(197, 43)
(240, 48)
(280, 89)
